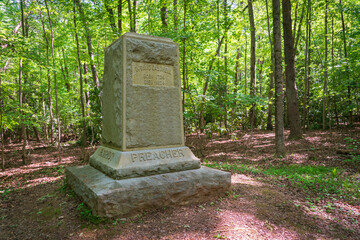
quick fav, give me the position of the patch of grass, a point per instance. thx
(86, 214)
(321, 180)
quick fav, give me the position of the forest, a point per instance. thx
(252, 71)
(52, 57)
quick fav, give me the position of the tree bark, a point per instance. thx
(291, 90)
(175, 15)
(324, 97)
(279, 94)
(120, 16)
(269, 125)
(67, 83)
(306, 78)
(252, 63)
(49, 80)
(163, 14)
(345, 55)
(23, 127)
(1, 128)
(81, 87)
(110, 12)
(90, 49)
(55, 84)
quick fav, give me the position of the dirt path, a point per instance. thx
(38, 207)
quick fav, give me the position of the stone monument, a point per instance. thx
(143, 161)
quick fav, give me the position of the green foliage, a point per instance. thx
(86, 214)
(225, 104)
(320, 180)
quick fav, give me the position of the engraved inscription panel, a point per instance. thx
(157, 155)
(151, 74)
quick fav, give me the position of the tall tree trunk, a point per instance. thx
(163, 14)
(175, 15)
(110, 12)
(1, 129)
(279, 92)
(225, 65)
(306, 77)
(333, 69)
(55, 84)
(21, 97)
(81, 87)
(184, 59)
(252, 63)
(90, 50)
(67, 83)
(48, 79)
(132, 15)
(291, 90)
(23, 128)
(269, 125)
(347, 67)
(325, 70)
(120, 2)
(44, 116)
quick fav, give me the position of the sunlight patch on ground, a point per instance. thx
(234, 224)
(243, 179)
(43, 180)
(29, 168)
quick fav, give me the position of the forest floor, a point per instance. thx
(312, 193)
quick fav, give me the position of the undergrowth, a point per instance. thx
(320, 180)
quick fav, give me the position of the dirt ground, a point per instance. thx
(35, 205)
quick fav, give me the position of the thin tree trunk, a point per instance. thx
(291, 90)
(184, 59)
(226, 66)
(81, 88)
(44, 116)
(90, 49)
(49, 80)
(175, 15)
(120, 16)
(134, 15)
(55, 84)
(23, 128)
(279, 94)
(306, 78)
(1, 129)
(325, 70)
(333, 69)
(252, 63)
(269, 125)
(163, 14)
(347, 68)
(110, 12)
(130, 16)
(67, 83)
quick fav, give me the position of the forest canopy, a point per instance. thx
(52, 62)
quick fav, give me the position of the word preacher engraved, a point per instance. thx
(106, 154)
(151, 74)
(149, 156)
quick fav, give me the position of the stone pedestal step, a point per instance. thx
(109, 197)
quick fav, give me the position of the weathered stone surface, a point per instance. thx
(143, 161)
(141, 94)
(119, 165)
(108, 197)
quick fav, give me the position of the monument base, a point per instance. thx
(108, 197)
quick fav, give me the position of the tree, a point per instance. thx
(252, 62)
(55, 83)
(291, 89)
(279, 93)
